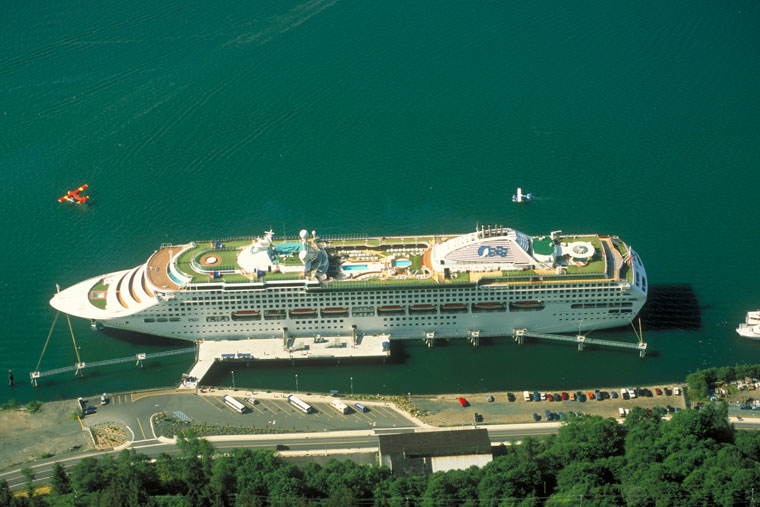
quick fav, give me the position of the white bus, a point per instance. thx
(299, 404)
(233, 404)
(339, 406)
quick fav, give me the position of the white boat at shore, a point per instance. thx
(750, 328)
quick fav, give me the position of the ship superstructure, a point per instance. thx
(489, 282)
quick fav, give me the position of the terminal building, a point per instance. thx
(427, 452)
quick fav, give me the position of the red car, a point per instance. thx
(658, 391)
(463, 402)
(590, 395)
(549, 397)
(564, 395)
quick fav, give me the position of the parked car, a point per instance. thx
(549, 397)
(590, 395)
(667, 391)
(462, 401)
(631, 393)
(624, 394)
(251, 400)
(658, 391)
(536, 417)
(581, 397)
(677, 391)
(489, 398)
(621, 411)
(614, 395)
(548, 415)
(360, 407)
(536, 396)
(543, 396)
(88, 410)
(598, 395)
(670, 409)
(649, 411)
(103, 399)
(511, 397)
(561, 416)
(565, 396)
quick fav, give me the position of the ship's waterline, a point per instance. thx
(489, 282)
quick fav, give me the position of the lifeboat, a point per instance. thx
(303, 312)
(489, 307)
(246, 315)
(527, 304)
(390, 309)
(422, 308)
(246, 312)
(335, 311)
(453, 307)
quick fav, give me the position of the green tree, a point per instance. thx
(29, 477)
(5, 493)
(60, 484)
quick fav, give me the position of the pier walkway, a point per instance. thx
(138, 358)
(288, 348)
(581, 340)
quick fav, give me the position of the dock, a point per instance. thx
(287, 348)
(581, 340)
(81, 366)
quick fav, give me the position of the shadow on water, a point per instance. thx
(135, 338)
(671, 307)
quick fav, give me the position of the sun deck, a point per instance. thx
(405, 261)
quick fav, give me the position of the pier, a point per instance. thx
(581, 340)
(80, 366)
(285, 348)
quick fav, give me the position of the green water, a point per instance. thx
(199, 120)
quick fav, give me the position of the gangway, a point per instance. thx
(79, 366)
(581, 340)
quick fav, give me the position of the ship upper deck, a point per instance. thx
(366, 262)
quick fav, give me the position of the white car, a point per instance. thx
(631, 393)
(543, 396)
(677, 391)
(251, 400)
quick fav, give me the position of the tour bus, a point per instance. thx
(299, 404)
(339, 406)
(233, 404)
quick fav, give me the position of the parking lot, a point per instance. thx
(512, 407)
(272, 411)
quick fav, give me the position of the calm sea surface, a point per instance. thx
(195, 120)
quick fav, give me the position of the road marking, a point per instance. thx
(362, 414)
(141, 428)
(204, 398)
(158, 392)
(268, 407)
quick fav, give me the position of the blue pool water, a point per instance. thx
(354, 267)
(402, 263)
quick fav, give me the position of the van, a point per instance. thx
(360, 407)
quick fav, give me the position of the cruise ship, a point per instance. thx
(490, 282)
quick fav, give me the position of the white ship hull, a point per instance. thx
(163, 298)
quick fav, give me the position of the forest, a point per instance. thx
(694, 458)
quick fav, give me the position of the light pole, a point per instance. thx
(296, 382)
(352, 386)
(233, 379)
(410, 397)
